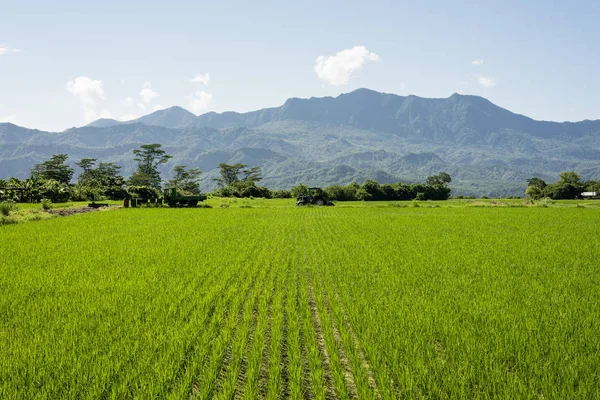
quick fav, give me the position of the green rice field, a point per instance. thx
(368, 301)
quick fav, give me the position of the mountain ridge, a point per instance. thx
(487, 149)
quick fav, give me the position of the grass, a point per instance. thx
(357, 300)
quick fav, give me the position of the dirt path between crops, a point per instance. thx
(65, 212)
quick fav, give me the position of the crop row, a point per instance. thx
(302, 303)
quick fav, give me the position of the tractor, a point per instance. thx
(175, 199)
(314, 196)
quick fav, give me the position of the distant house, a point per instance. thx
(590, 195)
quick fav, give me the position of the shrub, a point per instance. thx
(545, 202)
(46, 204)
(7, 220)
(6, 207)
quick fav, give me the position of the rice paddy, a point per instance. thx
(315, 303)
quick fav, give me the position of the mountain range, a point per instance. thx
(355, 136)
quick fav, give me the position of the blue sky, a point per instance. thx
(65, 63)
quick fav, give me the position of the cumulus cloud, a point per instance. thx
(4, 49)
(200, 101)
(88, 90)
(147, 93)
(487, 81)
(201, 78)
(339, 68)
(477, 62)
(158, 107)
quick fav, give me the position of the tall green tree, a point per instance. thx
(101, 180)
(443, 178)
(229, 174)
(570, 177)
(149, 157)
(253, 174)
(186, 180)
(54, 169)
(537, 182)
(233, 173)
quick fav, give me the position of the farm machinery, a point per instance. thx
(314, 196)
(175, 199)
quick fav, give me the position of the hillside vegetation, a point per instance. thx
(323, 141)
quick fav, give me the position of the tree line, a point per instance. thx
(569, 186)
(99, 180)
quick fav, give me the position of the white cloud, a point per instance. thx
(87, 89)
(201, 78)
(199, 101)
(158, 107)
(147, 93)
(141, 107)
(89, 92)
(129, 102)
(487, 81)
(4, 49)
(8, 118)
(338, 69)
(477, 62)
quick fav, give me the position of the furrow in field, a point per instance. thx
(340, 364)
(336, 236)
(345, 362)
(245, 325)
(279, 374)
(219, 350)
(263, 381)
(248, 384)
(358, 347)
(320, 338)
(114, 386)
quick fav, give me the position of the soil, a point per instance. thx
(65, 212)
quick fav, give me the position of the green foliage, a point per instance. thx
(372, 191)
(186, 181)
(149, 157)
(281, 194)
(6, 207)
(46, 204)
(533, 191)
(235, 173)
(570, 178)
(343, 193)
(443, 178)
(55, 191)
(101, 181)
(143, 192)
(299, 190)
(54, 169)
(537, 182)
(544, 203)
